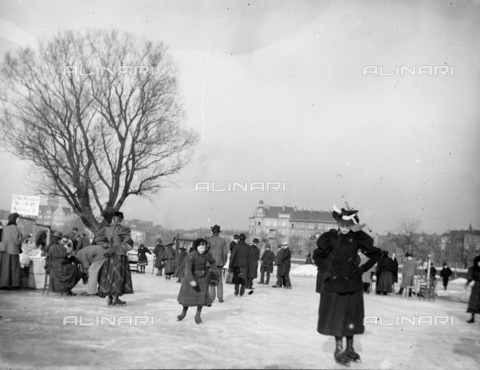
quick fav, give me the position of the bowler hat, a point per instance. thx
(255, 240)
(235, 236)
(215, 229)
(118, 214)
(57, 234)
(242, 237)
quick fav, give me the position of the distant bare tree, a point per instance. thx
(98, 114)
(406, 235)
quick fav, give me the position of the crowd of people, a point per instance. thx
(346, 258)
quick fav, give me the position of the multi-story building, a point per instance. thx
(274, 224)
(144, 232)
(460, 246)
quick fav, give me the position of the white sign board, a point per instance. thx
(25, 205)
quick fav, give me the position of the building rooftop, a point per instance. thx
(298, 214)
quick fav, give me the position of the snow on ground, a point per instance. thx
(459, 281)
(271, 328)
(456, 289)
(304, 271)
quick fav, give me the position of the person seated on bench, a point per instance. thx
(62, 268)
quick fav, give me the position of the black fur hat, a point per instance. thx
(199, 241)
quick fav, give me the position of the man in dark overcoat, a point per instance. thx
(234, 242)
(445, 274)
(284, 267)
(168, 258)
(409, 270)
(278, 261)
(239, 265)
(219, 251)
(268, 258)
(253, 267)
(158, 252)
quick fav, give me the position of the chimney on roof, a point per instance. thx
(283, 209)
(295, 208)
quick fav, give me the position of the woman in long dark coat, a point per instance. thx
(194, 290)
(142, 258)
(169, 259)
(10, 250)
(180, 269)
(474, 301)
(63, 270)
(341, 310)
(387, 268)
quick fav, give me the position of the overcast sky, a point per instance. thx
(276, 90)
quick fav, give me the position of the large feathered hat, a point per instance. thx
(347, 216)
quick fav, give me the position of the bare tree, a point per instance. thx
(98, 114)
(406, 235)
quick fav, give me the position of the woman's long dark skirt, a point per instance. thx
(474, 301)
(341, 315)
(10, 273)
(115, 277)
(385, 282)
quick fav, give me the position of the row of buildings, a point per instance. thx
(274, 224)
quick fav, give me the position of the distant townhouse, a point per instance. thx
(277, 223)
(460, 246)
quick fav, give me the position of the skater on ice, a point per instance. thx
(341, 312)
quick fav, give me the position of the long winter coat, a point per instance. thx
(115, 277)
(64, 274)
(254, 257)
(445, 274)
(268, 258)
(474, 275)
(196, 269)
(180, 269)
(112, 237)
(285, 262)
(408, 272)
(10, 249)
(339, 256)
(240, 261)
(158, 253)
(218, 249)
(241, 255)
(341, 310)
(169, 259)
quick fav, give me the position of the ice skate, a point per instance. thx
(339, 355)
(350, 352)
(341, 358)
